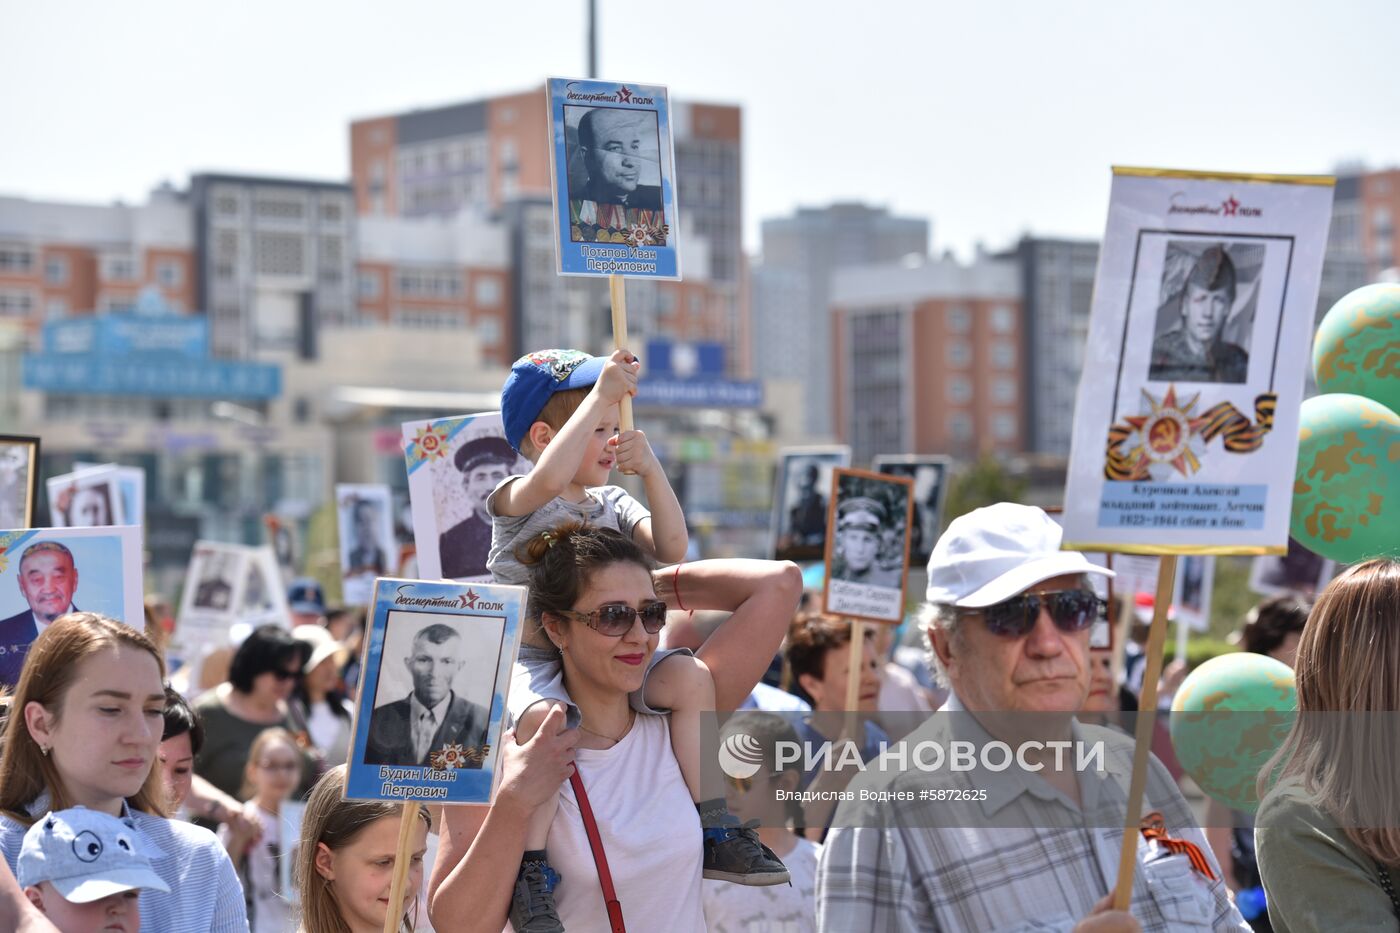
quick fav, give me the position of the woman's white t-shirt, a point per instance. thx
(650, 831)
(779, 908)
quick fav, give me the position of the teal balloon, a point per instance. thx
(1229, 717)
(1346, 492)
(1357, 348)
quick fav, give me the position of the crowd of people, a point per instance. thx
(126, 803)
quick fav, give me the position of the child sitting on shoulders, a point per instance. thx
(560, 409)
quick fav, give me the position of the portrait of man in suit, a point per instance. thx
(410, 731)
(47, 580)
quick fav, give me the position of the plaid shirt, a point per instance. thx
(898, 867)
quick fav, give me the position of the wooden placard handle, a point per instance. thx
(617, 289)
(1146, 724)
(393, 915)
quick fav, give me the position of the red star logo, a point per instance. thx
(1231, 206)
(1164, 433)
(471, 599)
(624, 94)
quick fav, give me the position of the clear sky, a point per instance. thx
(990, 118)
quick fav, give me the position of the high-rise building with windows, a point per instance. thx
(929, 359)
(793, 286)
(275, 260)
(1057, 288)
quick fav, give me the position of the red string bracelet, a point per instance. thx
(676, 588)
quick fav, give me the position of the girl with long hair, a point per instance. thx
(84, 729)
(1327, 835)
(345, 860)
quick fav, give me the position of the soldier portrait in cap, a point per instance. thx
(861, 523)
(867, 554)
(481, 464)
(1203, 325)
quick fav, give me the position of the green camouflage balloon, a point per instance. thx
(1357, 349)
(1229, 717)
(1346, 492)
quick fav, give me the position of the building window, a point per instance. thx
(488, 329)
(959, 353)
(124, 304)
(226, 205)
(1004, 390)
(331, 211)
(56, 308)
(487, 291)
(169, 273)
(16, 259)
(16, 303)
(369, 285)
(56, 270)
(269, 208)
(1003, 320)
(1003, 354)
(281, 254)
(960, 426)
(119, 268)
(959, 319)
(959, 390)
(414, 319)
(1004, 427)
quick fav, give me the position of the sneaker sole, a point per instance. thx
(760, 879)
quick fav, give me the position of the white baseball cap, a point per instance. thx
(993, 553)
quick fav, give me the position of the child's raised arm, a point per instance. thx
(663, 536)
(561, 452)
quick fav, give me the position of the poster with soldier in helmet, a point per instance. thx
(454, 464)
(1186, 425)
(867, 545)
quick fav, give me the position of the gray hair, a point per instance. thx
(942, 616)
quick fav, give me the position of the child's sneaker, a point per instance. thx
(733, 853)
(532, 908)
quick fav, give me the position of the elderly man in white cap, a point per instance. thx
(1028, 842)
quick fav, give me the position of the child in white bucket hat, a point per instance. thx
(85, 870)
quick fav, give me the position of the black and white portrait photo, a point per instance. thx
(367, 546)
(216, 573)
(801, 500)
(477, 466)
(86, 499)
(929, 475)
(868, 552)
(1205, 313)
(435, 685)
(1299, 572)
(614, 174)
(19, 481)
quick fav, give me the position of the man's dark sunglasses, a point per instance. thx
(615, 619)
(281, 673)
(1070, 610)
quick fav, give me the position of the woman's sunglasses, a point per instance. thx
(1070, 610)
(615, 619)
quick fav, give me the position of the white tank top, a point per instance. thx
(650, 831)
